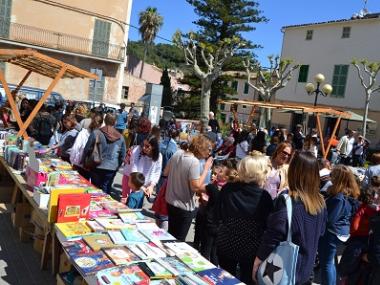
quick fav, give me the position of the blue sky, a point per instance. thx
(178, 14)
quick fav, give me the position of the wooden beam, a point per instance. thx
(332, 136)
(251, 115)
(320, 134)
(14, 92)
(12, 102)
(42, 101)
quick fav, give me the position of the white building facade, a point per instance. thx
(329, 48)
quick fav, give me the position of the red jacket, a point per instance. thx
(360, 221)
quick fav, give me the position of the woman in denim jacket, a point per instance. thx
(341, 204)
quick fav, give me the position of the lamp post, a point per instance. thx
(311, 89)
(325, 91)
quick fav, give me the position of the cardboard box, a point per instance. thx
(6, 192)
(26, 234)
(22, 215)
(64, 263)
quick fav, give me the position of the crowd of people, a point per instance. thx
(235, 187)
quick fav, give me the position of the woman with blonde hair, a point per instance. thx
(308, 219)
(341, 206)
(244, 207)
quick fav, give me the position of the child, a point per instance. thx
(224, 173)
(135, 198)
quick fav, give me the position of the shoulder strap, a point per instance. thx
(289, 209)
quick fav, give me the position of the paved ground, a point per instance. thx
(19, 263)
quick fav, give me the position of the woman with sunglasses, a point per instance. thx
(278, 177)
(146, 159)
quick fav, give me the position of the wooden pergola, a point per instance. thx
(34, 61)
(304, 109)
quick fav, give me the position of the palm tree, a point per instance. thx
(150, 22)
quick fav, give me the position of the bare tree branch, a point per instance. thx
(358, 69)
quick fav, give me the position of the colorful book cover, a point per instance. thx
(117, 237)
(125, 275)
(90, 263)
(157, 234)
(115, 206)
(112, 224)
(177, 264)
(195, 261)
(73, 229)
(53, 202)
(133, 217)
(98, 241)
(190, 279)
(76, 247)
(72, 207)
(121, 255)
(95, 227)
(131, 234)
(163, 282)
(97, 210)
(155, 270)
(218, 276)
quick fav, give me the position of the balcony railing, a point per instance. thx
(50, 39)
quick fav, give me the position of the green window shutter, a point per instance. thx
(309, 35)
(235, 85)
(96, 87)
(303, 73)
(339, 80)
(5, 17)
(222, 106)
(246, 88)
(100, 41)
(346, 32)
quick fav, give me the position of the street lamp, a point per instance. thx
(325, 91)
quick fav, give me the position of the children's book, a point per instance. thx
(72, 230)
(121, 255)
(176, 264)
(157, 234)
(131, 234)
(90, 263)
(134, 217)
(218, 276)
(163, 282)
(123, 275)
(53, 202)
(137, 251)
(98, 241)
(72, 207)
(195, 261)
(151, 250)
(112, 224)
(95, 226)
(180, 247)
(97, 210)
(76, 247)
(115, 206)
(155, 270)
(117, 237)
(190, 279)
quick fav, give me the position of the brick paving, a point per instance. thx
(19, 263)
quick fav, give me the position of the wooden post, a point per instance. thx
(332, 136)
(12, 102)
(321, 134)
(250, 118)
(42, 101)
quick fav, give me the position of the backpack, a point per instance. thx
(94, 159)
(44, 129)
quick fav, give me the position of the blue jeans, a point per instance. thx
(103, 178)
(326, 252)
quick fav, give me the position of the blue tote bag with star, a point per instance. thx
(280, 266)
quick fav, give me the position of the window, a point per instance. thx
(346, 32)
(246, 88)
(96, 87)
(303, 73)
(125, 91)
(5, 17)
(222, 107)
(100, 42)
(309, 35)
(244, 106)
(235, 85)
(339, 80)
